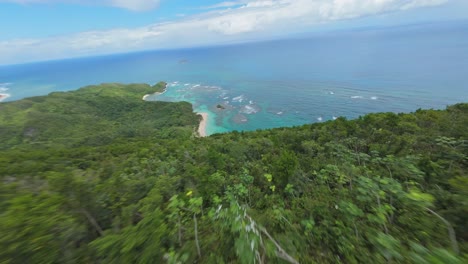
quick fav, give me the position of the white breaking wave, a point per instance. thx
(239, 98)
(279, 113)
(4, 96)
(334, 117)
(196, 85)
(209, 88)
(187, 84)
(357, 97)
(225, 98)
(247, 109)
(331, 92)
(320, 119)
(3, 89)
(374, 98)
(4, 86)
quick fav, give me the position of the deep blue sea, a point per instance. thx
(308, 79)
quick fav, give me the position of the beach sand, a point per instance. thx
(156, 93)
(202, 126)
(146, 95)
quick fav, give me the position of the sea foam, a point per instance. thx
(4, 96)
(249, 109)
(3, 89)
(239, 98)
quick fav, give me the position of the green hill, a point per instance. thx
(93, 115)
(99, 176)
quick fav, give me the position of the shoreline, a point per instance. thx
(156, 93)
(203, 122)
(4, 96)
(202, 125)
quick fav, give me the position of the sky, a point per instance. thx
(38, 30)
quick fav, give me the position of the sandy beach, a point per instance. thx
(156, 93)
(202, 126)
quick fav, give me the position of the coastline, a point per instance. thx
(203, 123)
(3, 91)
(4, 96)
(156, 93)
(202, 127)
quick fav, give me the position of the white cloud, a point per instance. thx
(247, 20)
(223, 5)
(255, 15)
(261, 14)
(134, 5)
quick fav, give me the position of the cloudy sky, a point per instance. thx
(34, 30)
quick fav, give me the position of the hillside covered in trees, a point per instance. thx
(100, 176)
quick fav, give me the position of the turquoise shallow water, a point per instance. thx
(281, 83)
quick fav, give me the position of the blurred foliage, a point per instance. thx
(99, 176)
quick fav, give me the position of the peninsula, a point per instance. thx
(160, 88)
(93, 115)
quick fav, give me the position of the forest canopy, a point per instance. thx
(98, 175)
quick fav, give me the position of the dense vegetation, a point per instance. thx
(100, 176)
(92, 116)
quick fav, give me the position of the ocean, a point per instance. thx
(306, 79)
